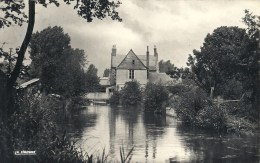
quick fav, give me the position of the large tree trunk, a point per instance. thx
(6, 96)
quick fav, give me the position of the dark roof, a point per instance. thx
(118, 59)
(131, 61)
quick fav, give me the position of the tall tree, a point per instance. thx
(220, 57)
(14, 13)
(106, 72)
(59, 67)
(92, 80)
(251, 65)
(228, 57)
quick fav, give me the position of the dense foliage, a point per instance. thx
(91, 79)
(165, 66)
(131, 94)
(115, 98)
(60, 67)
(106, 72)
(155, 96)
(193, 106)
(221, 58)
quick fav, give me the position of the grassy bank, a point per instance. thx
(194, 108)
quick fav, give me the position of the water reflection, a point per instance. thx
(214, 147)
(156, 138)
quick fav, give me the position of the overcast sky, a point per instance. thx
(176, 27)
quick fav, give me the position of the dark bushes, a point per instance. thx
(154, 97)
(115, 98)
(131, 94)
(211, 118)
(193, 106)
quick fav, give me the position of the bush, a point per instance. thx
(211, 118)
(115, 98)
(188, 102)
(131, 94)
(154, 96)
(33, 127)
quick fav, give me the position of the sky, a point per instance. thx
(176, 27)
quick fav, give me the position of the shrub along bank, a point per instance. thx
(33, 127)
(154, 97)
(194, 107)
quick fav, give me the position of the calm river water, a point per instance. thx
(155, 138)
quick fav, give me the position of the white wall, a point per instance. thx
(122, 76)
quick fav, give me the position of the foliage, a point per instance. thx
(131, 94)
(188, 101)
(14, 10)
(220, 58)
(115, 98)
(211, 118)
(106, 72)
(92, 80)
(165, 66)
(60, 67)
(231, 89)
(154, 96)
(34, 127)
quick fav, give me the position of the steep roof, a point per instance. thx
(131, 61)
(152, 61)
(116, 60)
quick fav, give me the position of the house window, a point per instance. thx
(131, 74)
(133, 62)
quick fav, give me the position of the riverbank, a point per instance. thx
(194, 108)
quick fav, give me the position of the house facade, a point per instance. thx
(130, 67)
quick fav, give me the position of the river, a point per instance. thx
(155, 138)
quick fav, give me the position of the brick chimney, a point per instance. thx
(155, 51)
(156, 58)
(113, 50)
(112, 76)
(147, 61)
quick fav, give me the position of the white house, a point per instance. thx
(142, 68)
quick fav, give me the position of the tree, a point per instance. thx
(155, 96)
(131, 93)
(92, 80)
(165, 66)
(59, 67)
(47, 47)
(14, 14)
(251, 64)
(106, 72)
(221, 58)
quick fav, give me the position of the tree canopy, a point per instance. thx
(228, 56)
(59, 67)
(14, 10)
(106, 72)
(165, 66)
(92, 80)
